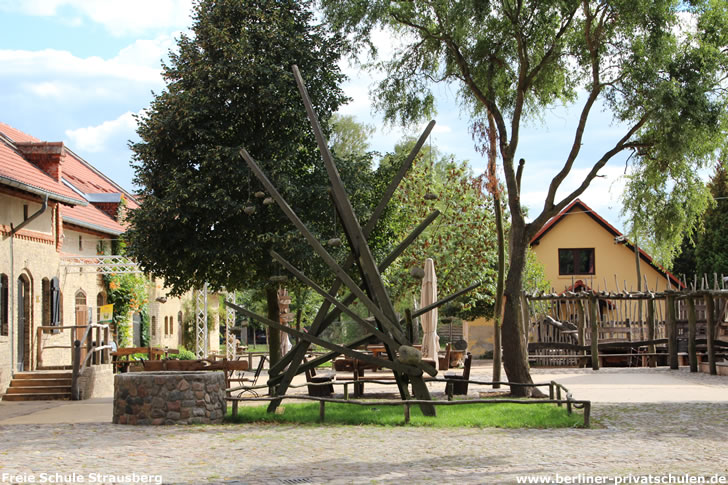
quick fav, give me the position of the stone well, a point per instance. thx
(169, 397)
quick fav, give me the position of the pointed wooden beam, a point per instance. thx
(339, 305)
(439, 303)
(367, 339)
(323, 319)
(369, 359)
(385, 320)
(352, 229)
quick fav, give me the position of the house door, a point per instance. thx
(23, 329)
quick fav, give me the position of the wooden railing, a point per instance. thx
(97, 351)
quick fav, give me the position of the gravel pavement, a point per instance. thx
(648, 424)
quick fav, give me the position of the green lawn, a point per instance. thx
(504, 415)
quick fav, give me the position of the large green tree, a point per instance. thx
(461, 241)
(656, 65)
(230, 85)
(711, 252)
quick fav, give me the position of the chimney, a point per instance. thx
(47, 155)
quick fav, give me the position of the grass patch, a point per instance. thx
(504, 415)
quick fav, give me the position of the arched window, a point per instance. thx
(179, 327)
(154, 326)
(100, 301)
(80, 299)
(81, 308)
(166, 326)
(4, 304)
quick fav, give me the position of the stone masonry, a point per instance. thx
(169, 398)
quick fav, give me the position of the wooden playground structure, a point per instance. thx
(685, 326)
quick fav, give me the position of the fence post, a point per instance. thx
(587, 414)
(75, 395)
(581, 329)
(558, 395)
(406, 413)
(652, 359)
(551, 390)
(593, 317)
(107, 353)
(692, 335)
(322, 411)
(671, 324)
(710, 332)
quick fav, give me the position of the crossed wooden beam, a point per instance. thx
(370, 291)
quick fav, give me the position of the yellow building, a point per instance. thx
(578, 244)
(581, 251)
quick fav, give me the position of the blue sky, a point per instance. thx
(78, 70)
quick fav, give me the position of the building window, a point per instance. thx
(100, 301)
(166, 327)
(80, 242)
(25, 212)
(3, 304)
(154, 326)
(576, 261)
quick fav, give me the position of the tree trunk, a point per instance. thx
(515, 351)
(274, 336)
(498, 313)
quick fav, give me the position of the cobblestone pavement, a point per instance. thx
(640, 439)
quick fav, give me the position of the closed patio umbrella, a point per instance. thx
(430, 340)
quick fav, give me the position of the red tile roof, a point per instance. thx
(578, 205)
(91, 218)
(16, 170)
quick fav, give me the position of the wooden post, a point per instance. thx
(587, 414)
(322, 411)
(75, 395)
(406, 413)
(710, 332)
(97, 355)
(692, 334)
(551, 390)
(652, 359)
(235, 409)
(594, 321)
(671, 324)
(346, 391)
(558, 395)
(581, 329)
(410, 326)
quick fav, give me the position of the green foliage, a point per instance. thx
(230, 84)
(534, 276)
(711, 252)
(128, 293)
(461, 241)
(348, 137)
(657, 66)
(184, 354)
(472, 416)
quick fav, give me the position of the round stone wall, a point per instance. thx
(169, 397)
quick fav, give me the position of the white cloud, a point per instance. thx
(119, 17)
(95, 139)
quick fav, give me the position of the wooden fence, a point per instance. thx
(637, 328)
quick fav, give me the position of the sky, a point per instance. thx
(78, 71)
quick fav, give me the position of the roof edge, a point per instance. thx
(88, 225)
(38, 191)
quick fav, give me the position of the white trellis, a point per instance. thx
(229, 324)
(115, 264)
(201, 345)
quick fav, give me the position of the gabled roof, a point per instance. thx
(80, 184)
(18, 172)
(578, 206)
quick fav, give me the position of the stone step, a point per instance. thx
(40, 382)
(38, 390)
(56, 396)
(42, 375)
